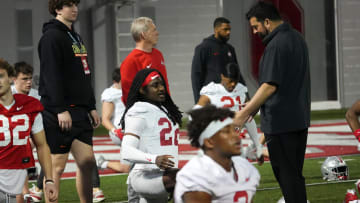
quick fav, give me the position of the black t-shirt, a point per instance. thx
(285, 63)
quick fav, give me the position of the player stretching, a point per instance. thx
(151, 137)
(220, 174)
(112, 111)
(19, 117)
(230, 94)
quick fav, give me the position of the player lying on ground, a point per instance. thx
(112, 111)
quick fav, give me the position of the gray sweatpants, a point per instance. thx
(7, 198)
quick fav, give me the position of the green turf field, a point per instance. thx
(114, 187)
(318, 190)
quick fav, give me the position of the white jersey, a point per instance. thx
(203, 174)
(220, 97)
(114, 96)
(158, 134)
(32, 93)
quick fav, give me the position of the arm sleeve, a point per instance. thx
(51, 77)
(130, 151)
(197, 72)
(37, 125)
(134, 125)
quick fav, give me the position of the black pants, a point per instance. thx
(287, 153)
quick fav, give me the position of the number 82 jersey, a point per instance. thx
(15, 129)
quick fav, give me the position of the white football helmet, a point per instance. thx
(334, 168)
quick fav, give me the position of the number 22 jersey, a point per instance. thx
(158, 134)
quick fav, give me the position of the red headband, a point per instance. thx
(149, 78)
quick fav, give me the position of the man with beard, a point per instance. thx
(283, 96)
(211, 56)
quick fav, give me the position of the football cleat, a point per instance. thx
(350, 196)
(27, 198)
(98, 196)
(35, 196)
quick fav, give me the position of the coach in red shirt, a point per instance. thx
(143, 56)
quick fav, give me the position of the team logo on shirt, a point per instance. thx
(229, 54)
(149, 66)
(79, 51)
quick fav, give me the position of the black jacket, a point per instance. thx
(210, 57)
(64, 82)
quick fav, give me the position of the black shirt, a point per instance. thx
(285, 63)
(65, 79)
(209, 61)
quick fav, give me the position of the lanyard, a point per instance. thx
(77, 42)
(77, 45)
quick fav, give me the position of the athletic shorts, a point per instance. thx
(7, 198)
(60, 141)
(149, 184)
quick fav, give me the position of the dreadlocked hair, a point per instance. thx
(201, 118)
(172, 111)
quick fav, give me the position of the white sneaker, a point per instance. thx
(98, 196)
(35, 196)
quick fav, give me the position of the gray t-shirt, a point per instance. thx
(285, 63)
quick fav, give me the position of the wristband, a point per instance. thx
(357, 134)
(117, 133)
(49, 181)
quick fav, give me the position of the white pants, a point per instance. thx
(148, 184)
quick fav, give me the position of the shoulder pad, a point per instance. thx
(139, 108)
(209, 89)
(110, 94)
(241, 88)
